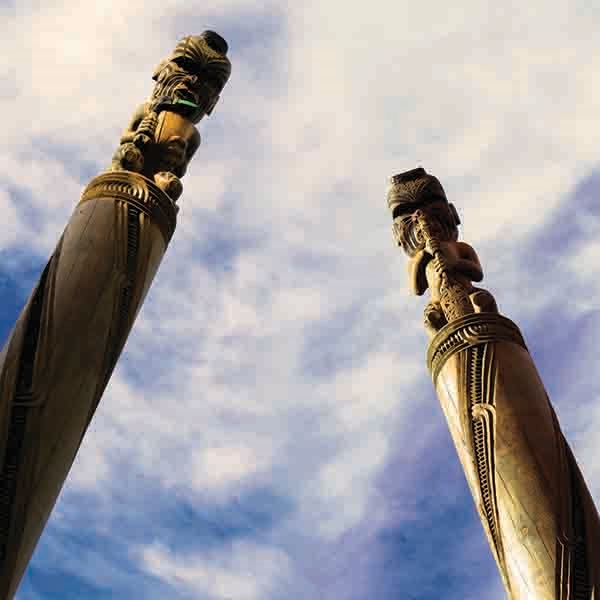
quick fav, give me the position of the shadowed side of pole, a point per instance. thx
(537, 513)
(67, 340)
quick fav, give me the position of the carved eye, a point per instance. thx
(187, 64)
(398, 210)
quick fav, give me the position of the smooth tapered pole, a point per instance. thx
(66, 342)
(537, 513)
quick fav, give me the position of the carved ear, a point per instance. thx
(416, 272)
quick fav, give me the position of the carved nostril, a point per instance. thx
(215, 41)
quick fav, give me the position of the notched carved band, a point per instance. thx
(138, 191)
(465, 332)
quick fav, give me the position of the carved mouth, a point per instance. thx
(184, 93)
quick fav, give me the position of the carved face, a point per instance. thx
(413, 194)
(190, 81)
(441, 223)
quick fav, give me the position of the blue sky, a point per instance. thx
(271, 431)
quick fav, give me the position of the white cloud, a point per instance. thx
(246, 572)
(217, 466)
(344, 484)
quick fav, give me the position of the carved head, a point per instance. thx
(414, 193)
(190, 80)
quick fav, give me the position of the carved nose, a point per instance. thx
(215, 41)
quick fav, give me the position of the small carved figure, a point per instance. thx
(161, 137)
(426, 227)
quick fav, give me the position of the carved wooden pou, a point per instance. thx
(536, 510)
(66, 342)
